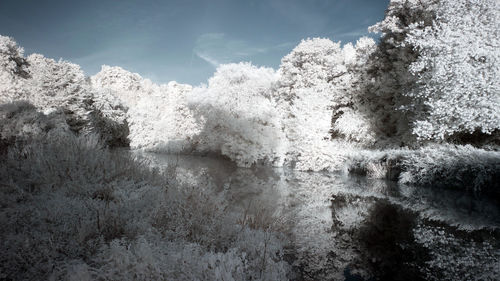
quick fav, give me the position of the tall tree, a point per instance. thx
(458, 70)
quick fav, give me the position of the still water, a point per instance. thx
(352, 228)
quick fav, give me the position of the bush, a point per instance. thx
(72, 209)
(21, 122)
(440, 166)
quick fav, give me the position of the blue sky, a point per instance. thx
(181, 40)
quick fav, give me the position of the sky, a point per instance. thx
(180, 40)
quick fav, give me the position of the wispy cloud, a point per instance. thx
(208, 58)
(217, 48)
(353, 33)
(346, 35)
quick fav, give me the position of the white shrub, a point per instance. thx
(462, 167)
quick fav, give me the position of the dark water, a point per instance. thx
(353, 228)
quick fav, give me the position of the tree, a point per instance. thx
(353, 119)
(13, 70)
(157, 114)
(457, 89)
(59, 84)
(305, 94)
(436, 69)
(60, 87)
(238, 115)
(320, 97)
(389, 67)
(127, 86)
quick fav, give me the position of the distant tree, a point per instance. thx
(239, 114)
(127, 86)
(13, 70)
(60, 87)
(157, 114)
(59, 84)
(320, 96)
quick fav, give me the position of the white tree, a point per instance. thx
(458, 70)
(436, 68)
(305, 93)
(320, 94)
(127, 86)
(353, 119)
(157, 114)
(389, 67)
(239, 115)
(60, 86)
(63, 85)
(13, 70)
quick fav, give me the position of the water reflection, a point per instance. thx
(344, 227)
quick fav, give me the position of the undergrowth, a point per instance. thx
(70, 209)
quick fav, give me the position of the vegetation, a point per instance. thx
(421, 107)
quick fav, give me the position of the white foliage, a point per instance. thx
(354, 126)
(389, 70)
(304, 95)
(402, 16)
(129, 87)
(458, 69)
(13, 69)
(437, 67)
(318, 79)
(463, 167)
(60, 86)
(239, 116)
(158, 116)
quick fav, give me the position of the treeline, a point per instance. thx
(432, 78)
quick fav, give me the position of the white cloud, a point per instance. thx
(208, 58)
(353, 33)
(346, 35)
(217, 48)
